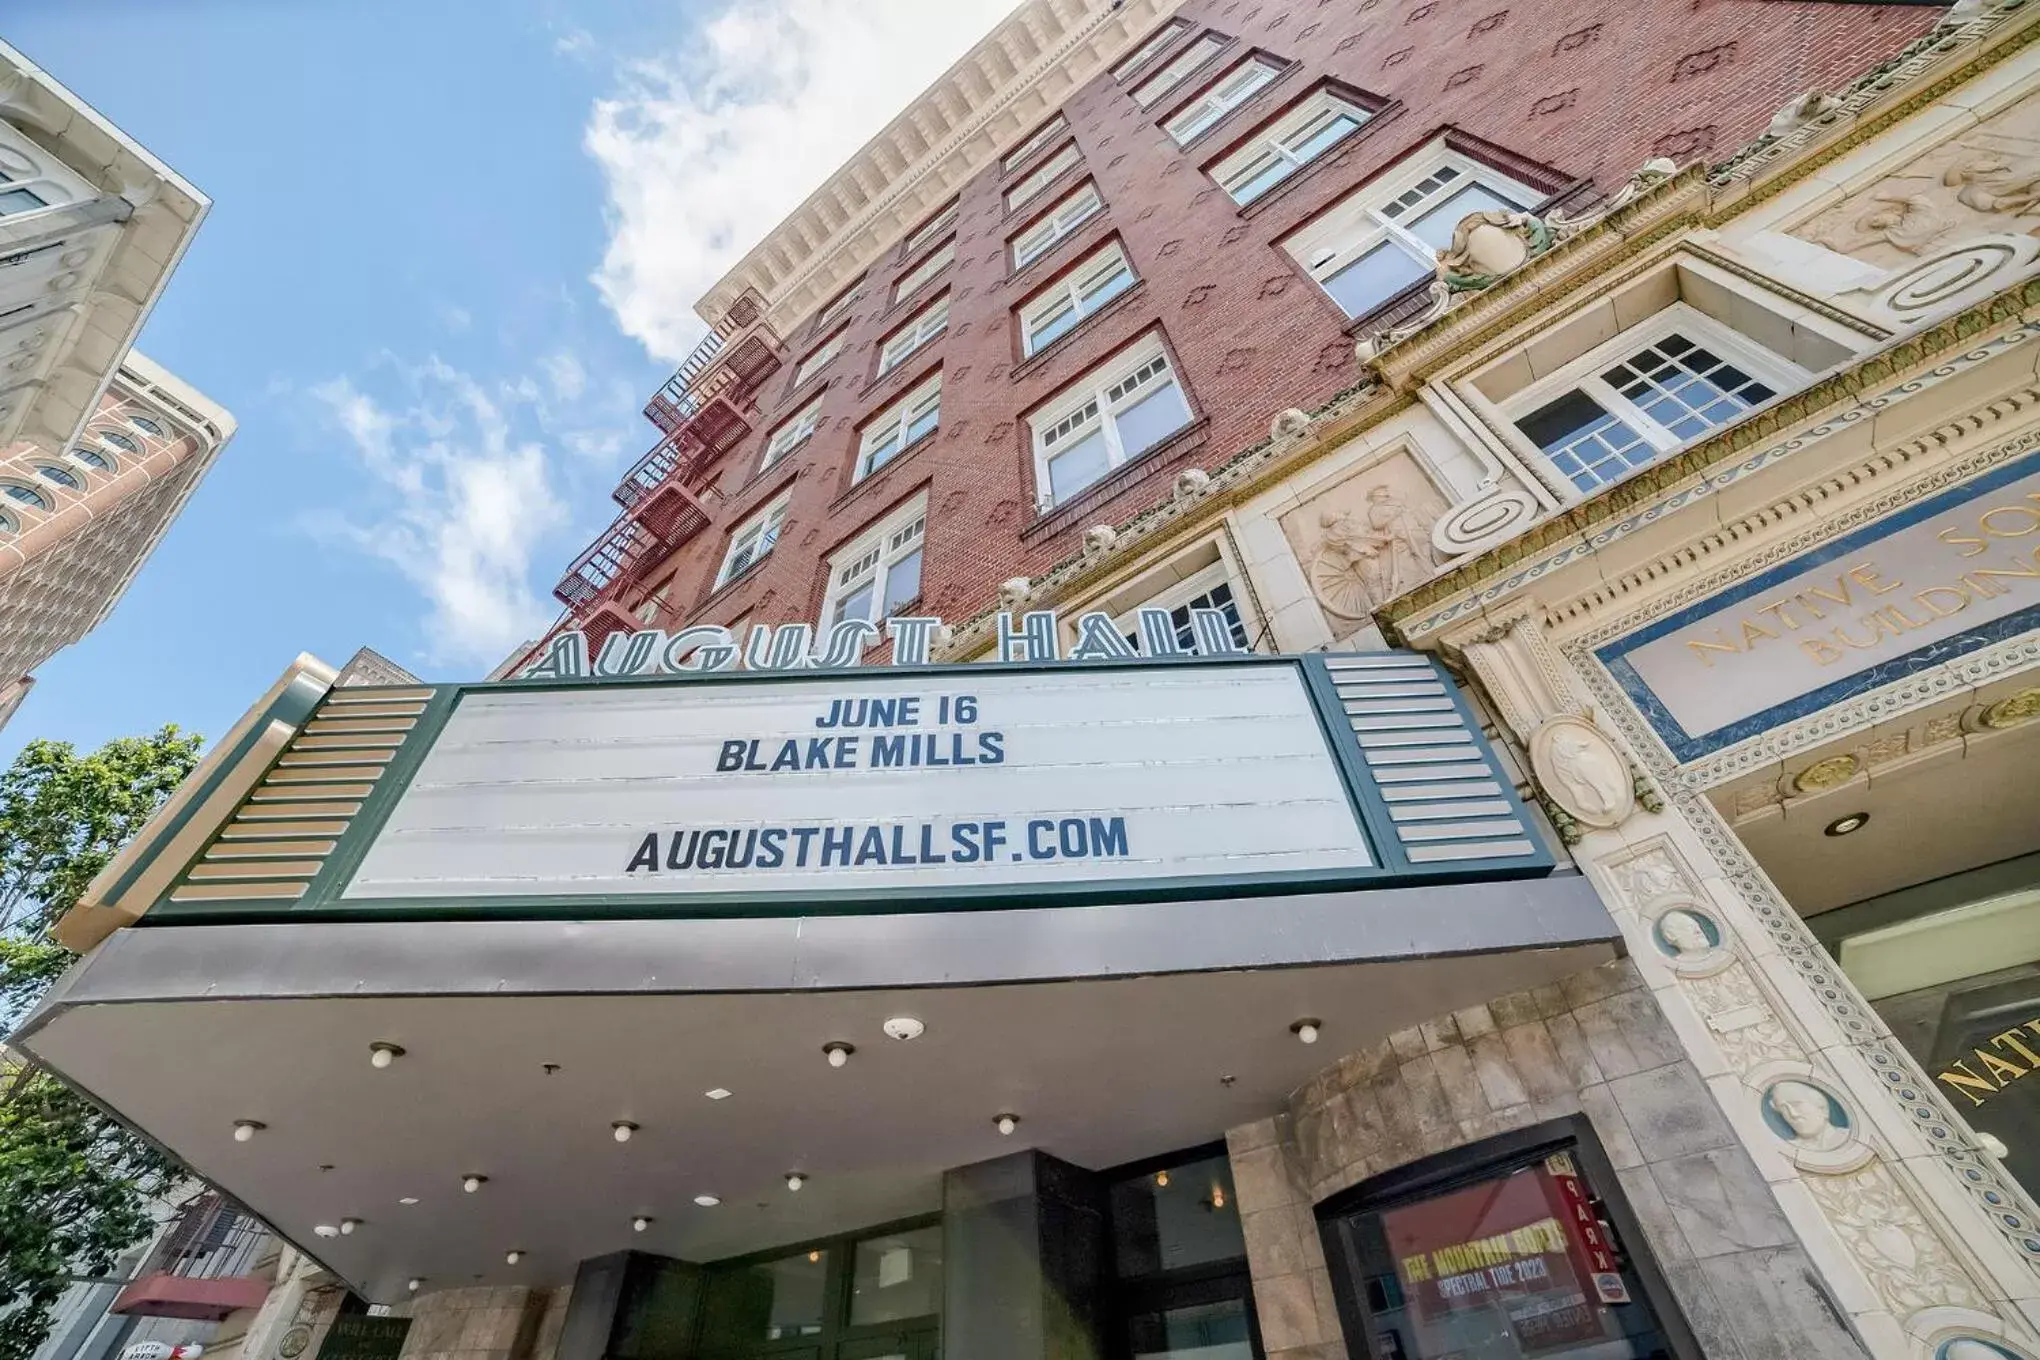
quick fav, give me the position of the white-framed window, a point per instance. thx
(1040, 137)
(1065, 217)
(18, 200)
(925, 325)
(895, 430)
(818, 358)
(1631, 401)
(751, 543)
(26, 494)
(1288, 144)
(1119, 412)
(880, 574)
(148, 426)
(932, 228)
(62, 476)
(115, 439)
(1375, 243)
(836, 305)
(1057, 309)
(919, 277)
(1043, 175)
(1140, 56)
(1233, 89)
(792, 433)
(1210, 588)
(93, 458)
(1178, 70)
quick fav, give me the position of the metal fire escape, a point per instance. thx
(703, 411)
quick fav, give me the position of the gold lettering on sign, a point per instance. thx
(1999, 1072)
(1831, 619)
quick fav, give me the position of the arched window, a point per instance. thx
(120, 441)
(8, 528)
(27, 495)
(147, 426)
(50, 472)
(92, 458)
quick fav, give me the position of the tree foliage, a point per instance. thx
(74, 1184)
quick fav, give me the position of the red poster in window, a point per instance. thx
(1492, 1258)
(1591, 1246)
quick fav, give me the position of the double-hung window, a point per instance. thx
(1064, 218)
(1633, 400)
(880, 574)
(1140, 56)
(1041, 137)
(1059, 307)
(1050, 170)
(924, 326)
(836, 304)
(1208, 589)
(1115, 415)
(1233, 89)
(932, 228)
(1386, 237)
(1149, 91)
(18, 200)
(899, 428)
(750, 544)
(818, 359)
(921, 274)
(1288, 144)
(792, 433)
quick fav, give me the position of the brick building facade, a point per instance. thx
(1563, 99)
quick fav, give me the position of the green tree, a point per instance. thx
(74, 1184)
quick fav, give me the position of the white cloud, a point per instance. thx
(707, 148)
(461, 495)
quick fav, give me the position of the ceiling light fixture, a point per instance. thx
(838, 1052)
(1006, 1123)
(708, 1201)
(511, 1258)
(408, 1199)
(326, 1230)
(382, 1055)
(473, 1183)
(640, 1223)
(1162, 1179)
(413, 1285)
(1842, 826)
(348, 1225)
(246, 1129)
(795, 1180)
(904, 1027)
(623, 1129)
(814, 1258)
(719, 1093)
(1307, 1029)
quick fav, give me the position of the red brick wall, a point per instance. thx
(1590, 87)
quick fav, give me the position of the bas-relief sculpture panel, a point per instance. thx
(1366, 539)
(1985, 181)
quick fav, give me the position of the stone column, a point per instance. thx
(1023, 1258)
(1917, 1236)
(484, 1324)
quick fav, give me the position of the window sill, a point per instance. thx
(1037, 360)
(730, 587)
(1086, 230)
(1118, 482)
(1338, 155)
(859, 488)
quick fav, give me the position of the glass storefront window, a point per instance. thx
(769, 1301)
(896, 1277)
(1517, 1263)
(1176, 1217)
(1193, 1331)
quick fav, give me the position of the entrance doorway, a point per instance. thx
(874, 1296)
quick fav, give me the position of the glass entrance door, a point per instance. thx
(909, 1344)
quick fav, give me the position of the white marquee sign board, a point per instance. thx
(883, 781)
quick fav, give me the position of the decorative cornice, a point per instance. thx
(1045, 47)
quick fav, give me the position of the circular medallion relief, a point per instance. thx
(1813, 1121)
(1582, 772)
(2010, 712)
(1831, 773)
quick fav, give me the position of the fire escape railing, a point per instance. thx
(211, 1239)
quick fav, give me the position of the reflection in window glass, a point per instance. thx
(770, 1301)
(1196, 1331)
(1180, 1216)
(897, 1276)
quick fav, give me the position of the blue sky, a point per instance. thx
(453, 247)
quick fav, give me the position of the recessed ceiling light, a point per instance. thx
(382, 1055)
(1307, 1029)
(246, 1129)
(473, 1183)
(719, 1093)
(1842, 826)
(622, 1129)
(413, 1285)
(408, 1199)
(511, 1258)
(326, 1230)
(904, 1027)
(1006, 1123)
(348, 1225)
(708, 1201)
(795, 1180)
(838, 1053)
(640, 1223)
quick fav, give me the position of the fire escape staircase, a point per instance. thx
(703, 411)
(214, 1259)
